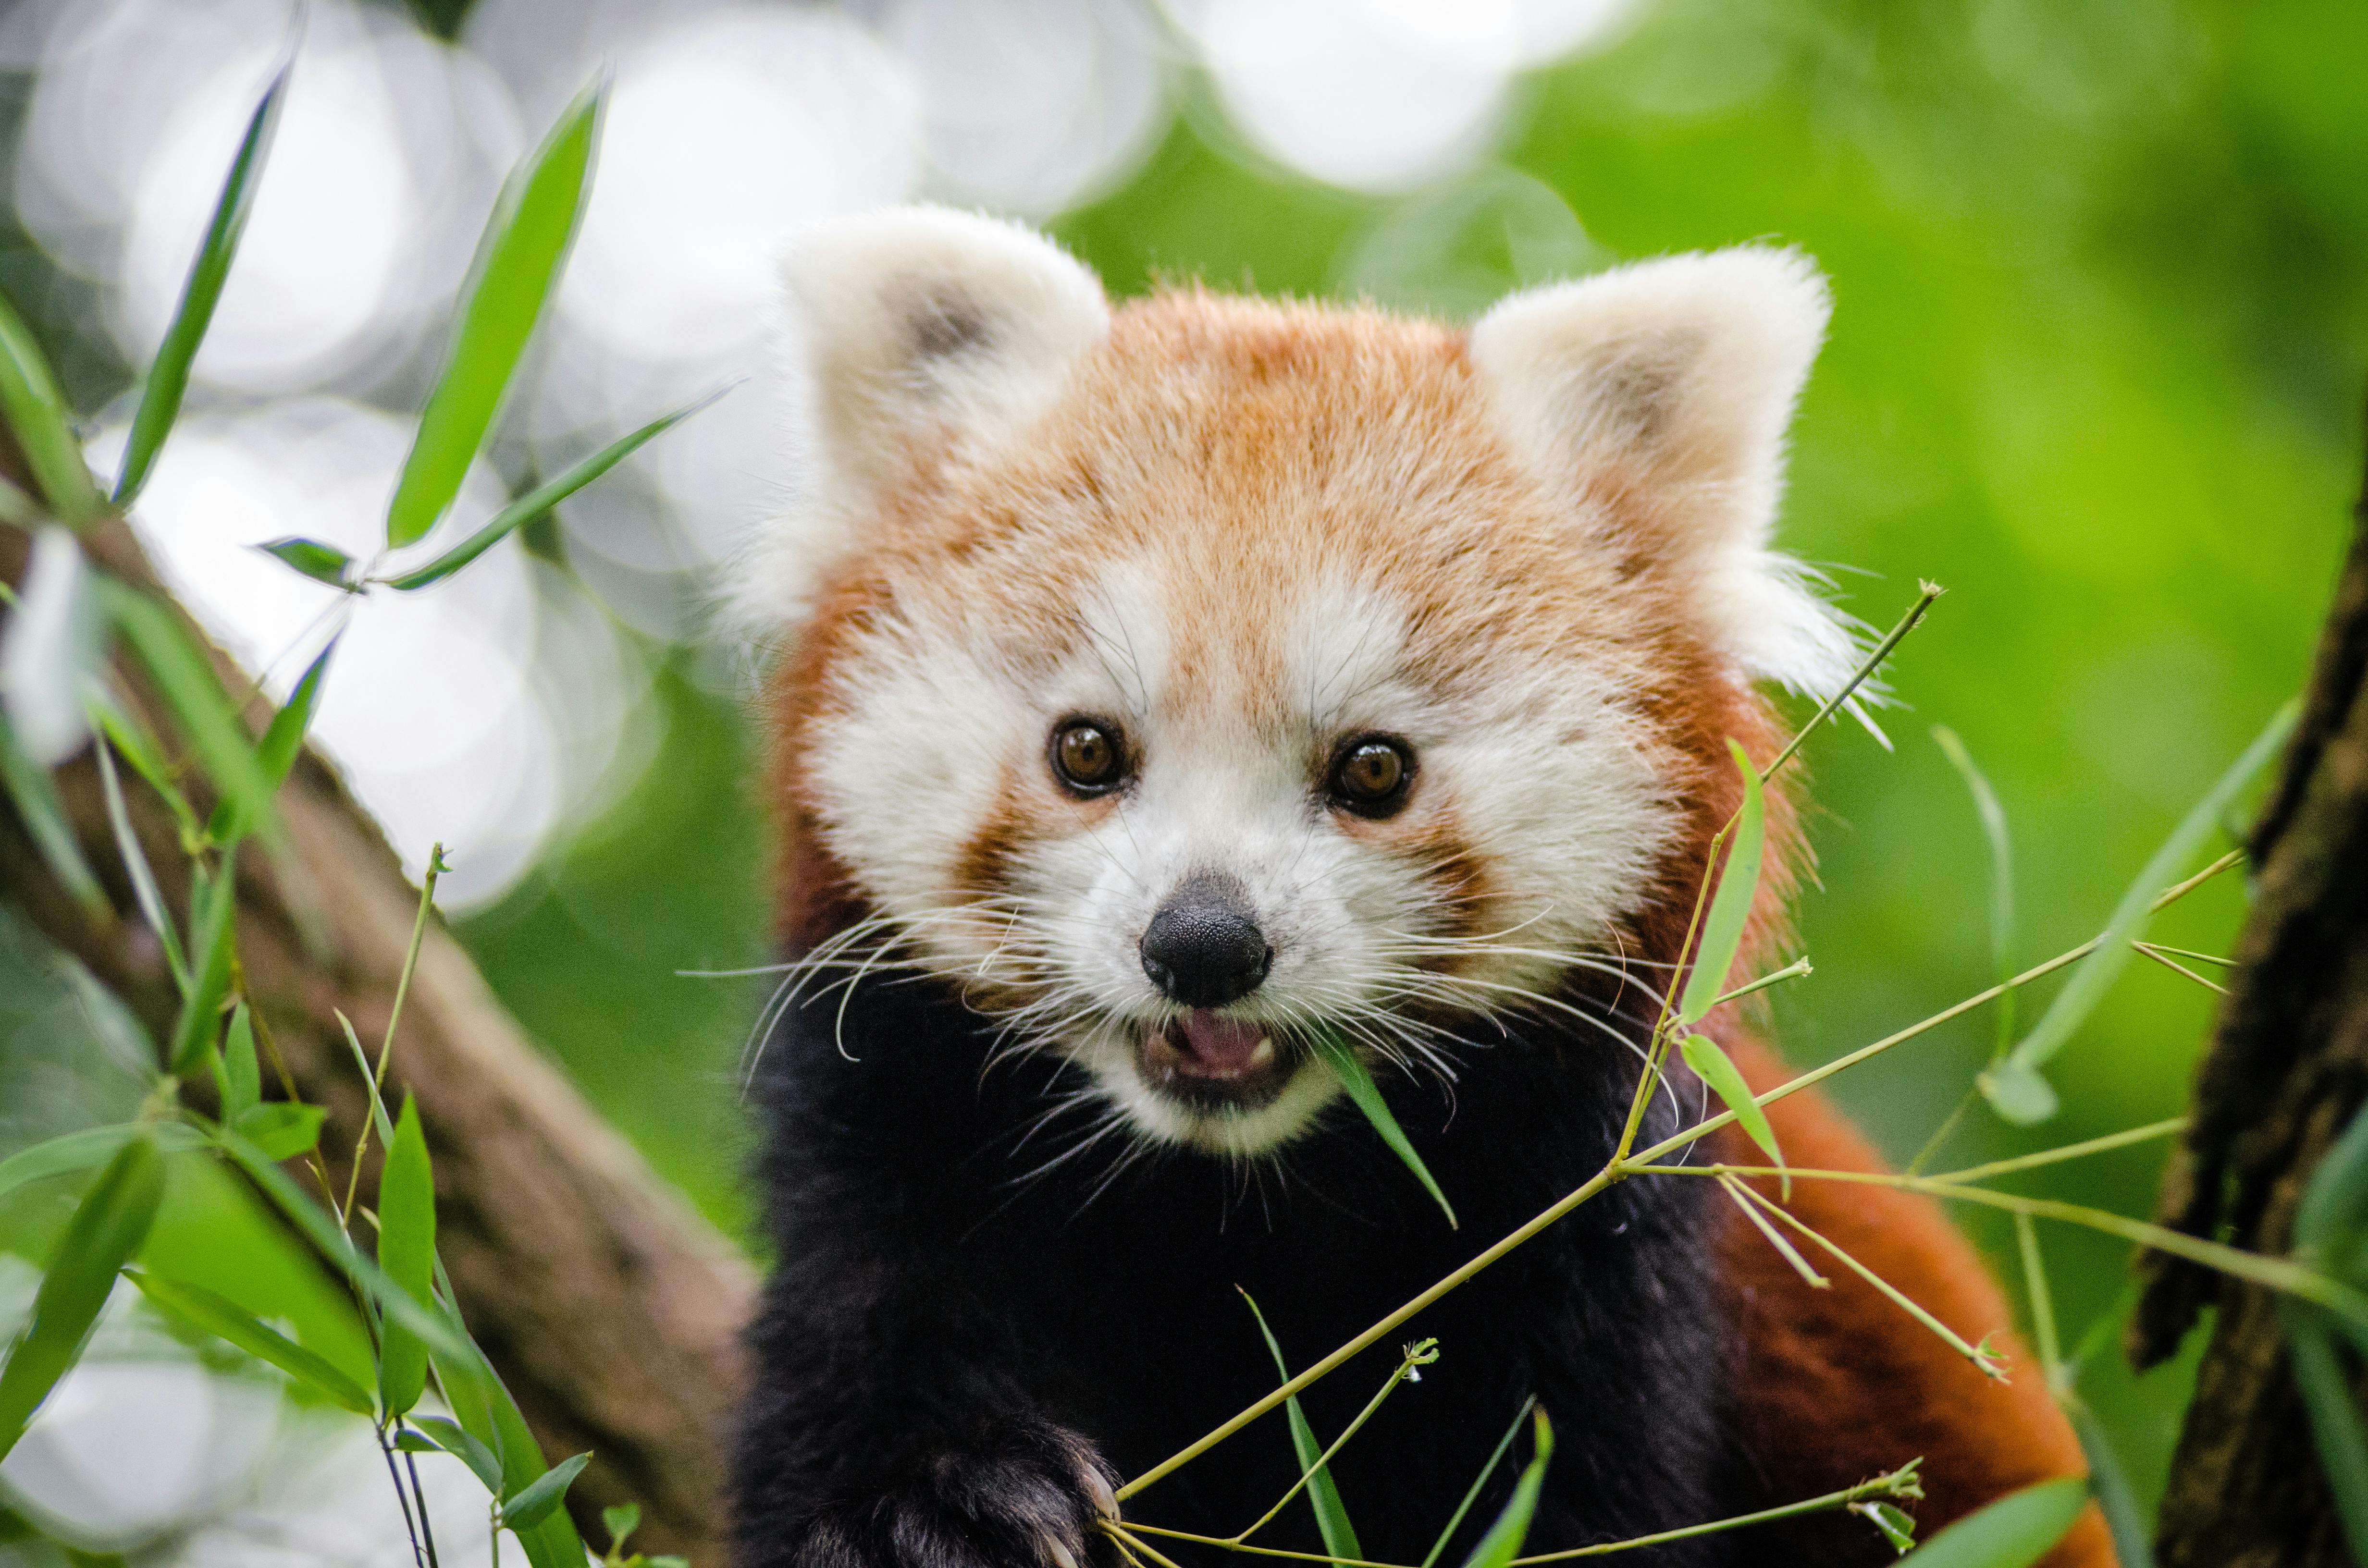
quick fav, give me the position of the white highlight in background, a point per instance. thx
(429, 708)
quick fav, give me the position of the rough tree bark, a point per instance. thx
(2287, 1069)
(608, 1306)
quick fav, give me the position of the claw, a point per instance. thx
(1097, 1487)
(1057, 1553)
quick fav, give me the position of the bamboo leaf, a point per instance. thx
(322, 1232)
(535, 1502)
(2097, 973)
(35, 797)
(169, 377)
(1503, 1541)
(485, 1410)
(2021, 1094)
(620, 1522)
(136, 747)
(450, 1437)
(519, 259)
(1715, 1068)
(1992, 814)
(186, 678)
(1472, 1493)
(406, 1250)
(107, 1229)
(2125, 1516)
(50, 649)
(541, 499)
(213, 908)
(1730, 906)
(1897, 1528)
(379, 1119)
(39, 417)
(311, 558)
(275, 754)
(145, 891)
(2013, 1532)
(281, 1129)
(237, 1077)
(1323, 1493)
(2335, 1422)
(1342, 1058)
(73, 1152)
(225, 1319)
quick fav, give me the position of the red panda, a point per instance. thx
(1160, 685)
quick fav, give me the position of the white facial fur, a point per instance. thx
(1545, 780)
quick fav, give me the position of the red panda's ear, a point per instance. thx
(910, 332)
(1657, 396)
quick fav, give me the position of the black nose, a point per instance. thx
(1203, 948)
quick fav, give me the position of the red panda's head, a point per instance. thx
(1178, 678)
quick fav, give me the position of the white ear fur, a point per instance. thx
(1675, 379)
(911, 330)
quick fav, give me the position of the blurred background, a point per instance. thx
(2098, 362)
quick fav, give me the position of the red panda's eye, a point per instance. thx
(1370, 774)
(1087, 756)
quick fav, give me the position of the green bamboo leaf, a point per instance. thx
(534, 1503)
(2013, 1532)
(541, 499)
(186, 680)
(1323, 1493)
(213, 909)
(107, 1230)
(394, 1305)
(1342, 1058)
(2097, 973)
(311, 558)
(519, 260)
(379, 1119)
(145, 891)
(2125, 1516)
(35, 797)
(1503, 1541)
(1730, 906)
(276, 752)
(136, 747)
(225, 1319)
(1992, 814)
(72, 1152)
(281, 1129)
(447, 1436)
(38, 416)
(1897, 1528)
(1717, 1069)
(50, 649)
(1472, 1493)
(169, 377)
(620, 1522)
(406, 1250)
(2335, 1422)
(237, 1077)
(486, 1412)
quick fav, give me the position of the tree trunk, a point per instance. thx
(608, 1306)
(2287, 1069)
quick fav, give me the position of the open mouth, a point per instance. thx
(1212, 1061)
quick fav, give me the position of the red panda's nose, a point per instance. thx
(1203, 948)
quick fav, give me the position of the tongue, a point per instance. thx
(1217, 1047)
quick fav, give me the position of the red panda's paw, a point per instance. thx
(1033, 1499)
